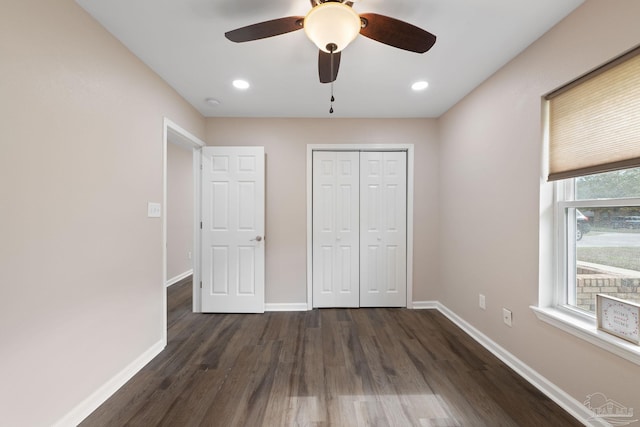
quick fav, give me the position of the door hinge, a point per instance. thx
(201, 284)
(200, 225)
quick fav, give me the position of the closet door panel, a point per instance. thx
(383, 234)
(336, 229)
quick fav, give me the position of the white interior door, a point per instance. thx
(233, 204)
(383, 229)
(335, 229)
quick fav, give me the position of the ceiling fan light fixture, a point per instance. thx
(332, 23)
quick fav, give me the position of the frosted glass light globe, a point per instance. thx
(332, 23)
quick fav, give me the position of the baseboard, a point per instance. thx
(97, 398)
(296, 306)
(553, 392)
(178, 278)
(425, 305)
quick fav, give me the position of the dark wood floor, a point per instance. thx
(331, 367)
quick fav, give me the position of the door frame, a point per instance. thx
(359, 147)
(172, 133)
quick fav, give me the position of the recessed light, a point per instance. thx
(421, 85)
(212, 101)
(241, 84)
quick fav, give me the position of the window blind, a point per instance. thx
(594, 122)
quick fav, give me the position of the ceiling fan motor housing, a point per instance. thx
(332, 24)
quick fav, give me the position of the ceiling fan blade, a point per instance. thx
(396, 33)
(326, 72)
(262, 30)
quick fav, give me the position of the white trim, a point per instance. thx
(553, 392)
(296, 306)
(309, 228)
(98, 397)
(425, 305)
(165, 150)
(410, 189)
(181, 136)
(588, 331)
(197, 217)
(179, 277)
(599, 203)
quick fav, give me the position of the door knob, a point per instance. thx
(257, 239)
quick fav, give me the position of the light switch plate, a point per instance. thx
(153, 210)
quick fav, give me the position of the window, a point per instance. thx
(598, 222)
(590, 244)
(594, 154)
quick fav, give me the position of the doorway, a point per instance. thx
(176, 135)
(180, 212)
(353, 259)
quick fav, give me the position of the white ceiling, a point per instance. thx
(183, 41)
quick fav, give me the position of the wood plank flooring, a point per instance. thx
(330, 367)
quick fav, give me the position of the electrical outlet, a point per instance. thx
(481, 302)
(189, 255)
(507, 317)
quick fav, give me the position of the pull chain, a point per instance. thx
(332, 99)
(332, 80)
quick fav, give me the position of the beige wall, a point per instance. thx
(81, 155)
(490, 165)
(285, 142)
(180, 188)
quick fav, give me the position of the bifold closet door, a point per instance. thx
(383, 229)
(336, 229)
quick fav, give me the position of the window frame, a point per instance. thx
(565, 271)
(556, 311)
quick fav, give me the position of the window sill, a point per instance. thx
(588, 331)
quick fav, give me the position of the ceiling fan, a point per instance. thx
(332, 25)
